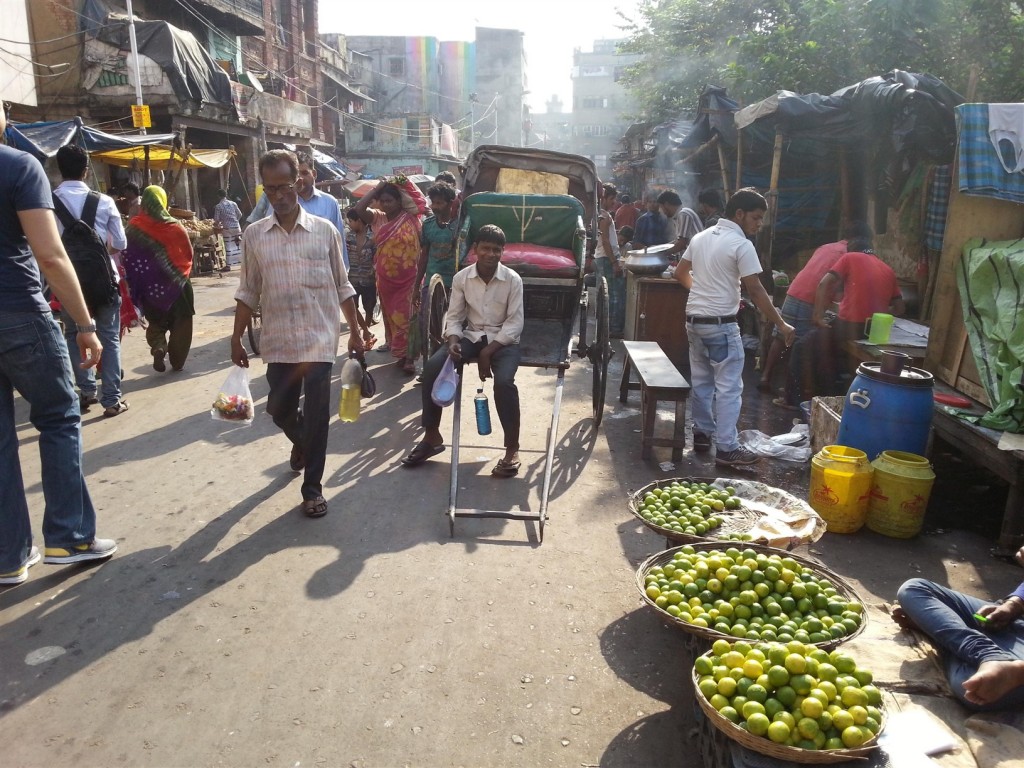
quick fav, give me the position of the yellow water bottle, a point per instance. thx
(351, 389)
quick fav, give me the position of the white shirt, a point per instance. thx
(719, 258)
(612, 238)
(299, 282)
(477, 308)
(108, 224)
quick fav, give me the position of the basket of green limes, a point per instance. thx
(686, 510)
(755, 594)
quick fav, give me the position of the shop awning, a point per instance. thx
(44, 139)
(163, 158)
(345, 88)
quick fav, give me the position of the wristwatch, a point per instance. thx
(90, 328)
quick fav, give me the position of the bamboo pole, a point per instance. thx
(701, 149)
(773, 196)
(725, 170)
(739, 158)
(845, 202)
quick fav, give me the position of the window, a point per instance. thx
(368, 135)
(396, 66)
(594, 102)
(412, 128)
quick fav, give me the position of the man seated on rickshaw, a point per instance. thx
(484, 321)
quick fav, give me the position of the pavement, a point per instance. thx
(231, 630)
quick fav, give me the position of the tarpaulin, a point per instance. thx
(44, 139)
(164, 158)
(714, 116)
(991, 282)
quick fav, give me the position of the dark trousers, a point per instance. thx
(305, 427)
(504, 364)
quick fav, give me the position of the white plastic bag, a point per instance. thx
(234, 401)
(446, 385)
(784, 448)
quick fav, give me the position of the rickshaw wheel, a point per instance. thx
(255, 329)
(437, 306)
(600, 353)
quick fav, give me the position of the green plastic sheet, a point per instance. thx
(991, 281)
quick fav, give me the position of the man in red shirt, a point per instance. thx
(626, 214)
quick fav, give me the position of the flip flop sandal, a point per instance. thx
(421, 453)
(116, 410)
(314, 507)
(383, 348)
(506, 468)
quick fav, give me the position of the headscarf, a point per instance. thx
(158, 259)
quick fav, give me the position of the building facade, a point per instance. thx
(602, 108)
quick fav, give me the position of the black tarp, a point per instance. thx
(44, 139)
(193, 74)
(714, 116)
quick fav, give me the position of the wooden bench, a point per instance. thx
(981, 446)
(660, 380)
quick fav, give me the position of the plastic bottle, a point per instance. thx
(351, 389)
(483, 412)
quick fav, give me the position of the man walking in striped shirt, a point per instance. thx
(292, 268)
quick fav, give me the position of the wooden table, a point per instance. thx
(659, 380)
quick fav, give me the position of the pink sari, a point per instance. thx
(398, 250)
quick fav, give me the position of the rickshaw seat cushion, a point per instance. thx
(531, 260)
(552, 221)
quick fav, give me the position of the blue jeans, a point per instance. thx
(616, 295)
(504, 365)
(108, 328)
(946, 617)
(34, 361)
(716, 378)
(307, 428)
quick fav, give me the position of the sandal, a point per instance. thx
(314, 507)
(116, 410)
(506, 468)
(421, 453)
(383, 348)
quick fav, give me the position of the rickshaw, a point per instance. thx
(546, 203)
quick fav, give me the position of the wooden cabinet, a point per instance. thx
(656, 311)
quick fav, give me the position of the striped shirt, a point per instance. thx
(479, 309)
(299, 282)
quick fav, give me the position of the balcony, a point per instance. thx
(235, 17)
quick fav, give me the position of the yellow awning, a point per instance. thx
(160, 158)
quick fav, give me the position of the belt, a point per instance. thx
(711, 320)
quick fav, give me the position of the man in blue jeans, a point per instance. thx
(608, 262)
(984, 658)
(716, 263)
(485, 321)
(73, 163)
(34, 361)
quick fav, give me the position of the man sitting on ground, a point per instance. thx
(484, 320)
(984, 658)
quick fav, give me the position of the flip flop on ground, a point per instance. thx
(506, 468)
(421, 453)
(116, 410)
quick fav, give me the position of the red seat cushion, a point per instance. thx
(536, 260)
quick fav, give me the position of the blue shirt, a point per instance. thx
(23, 187)
(652, 228)
(319, 204)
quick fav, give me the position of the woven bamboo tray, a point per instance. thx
(733, 520)
(842, 586)
(784, 752)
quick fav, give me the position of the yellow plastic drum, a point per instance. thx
(841, 487)
(899, 495)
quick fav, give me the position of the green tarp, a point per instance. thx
(991, 282)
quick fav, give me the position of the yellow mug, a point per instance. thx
(878, 327)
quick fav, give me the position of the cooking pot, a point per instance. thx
(649, 261)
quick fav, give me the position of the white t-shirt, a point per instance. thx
(612, 238)
(720, 256)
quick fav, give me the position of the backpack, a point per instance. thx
(88, 253)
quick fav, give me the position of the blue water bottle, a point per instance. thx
(483, 413)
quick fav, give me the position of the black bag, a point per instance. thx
(88, 253)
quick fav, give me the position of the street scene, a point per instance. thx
(637, 390)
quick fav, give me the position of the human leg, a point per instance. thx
(85, 379)
(946, 617)
(316, 418)
(702, 383)
(108, 328)
(285, 383)
(726, 355)
(180, 341)
(504, 365)
(15, 526)
(430, 417)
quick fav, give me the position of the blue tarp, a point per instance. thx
(44, 139)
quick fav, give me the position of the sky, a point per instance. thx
(552, 29)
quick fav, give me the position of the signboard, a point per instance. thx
(407, 170)
(140, 116)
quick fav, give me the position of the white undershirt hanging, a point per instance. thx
(1006, 124)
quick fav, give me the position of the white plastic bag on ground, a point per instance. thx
(793, 446)
(234, 401)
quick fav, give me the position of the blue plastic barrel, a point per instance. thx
(887, 412)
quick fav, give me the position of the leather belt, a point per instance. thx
(711, 320)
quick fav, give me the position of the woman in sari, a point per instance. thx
(395, 221)
(158, 261)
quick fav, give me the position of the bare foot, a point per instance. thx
(902, 620)
(993, 680)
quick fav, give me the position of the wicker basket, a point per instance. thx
(181, 213)
(843, 587)
(784, 752)
(733, 520)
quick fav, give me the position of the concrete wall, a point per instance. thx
(501, 73)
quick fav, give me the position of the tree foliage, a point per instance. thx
(755, 49)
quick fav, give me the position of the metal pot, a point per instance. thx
(649, 261)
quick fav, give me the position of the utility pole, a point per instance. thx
(496, 96)
(472, 121)
(135, 58)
